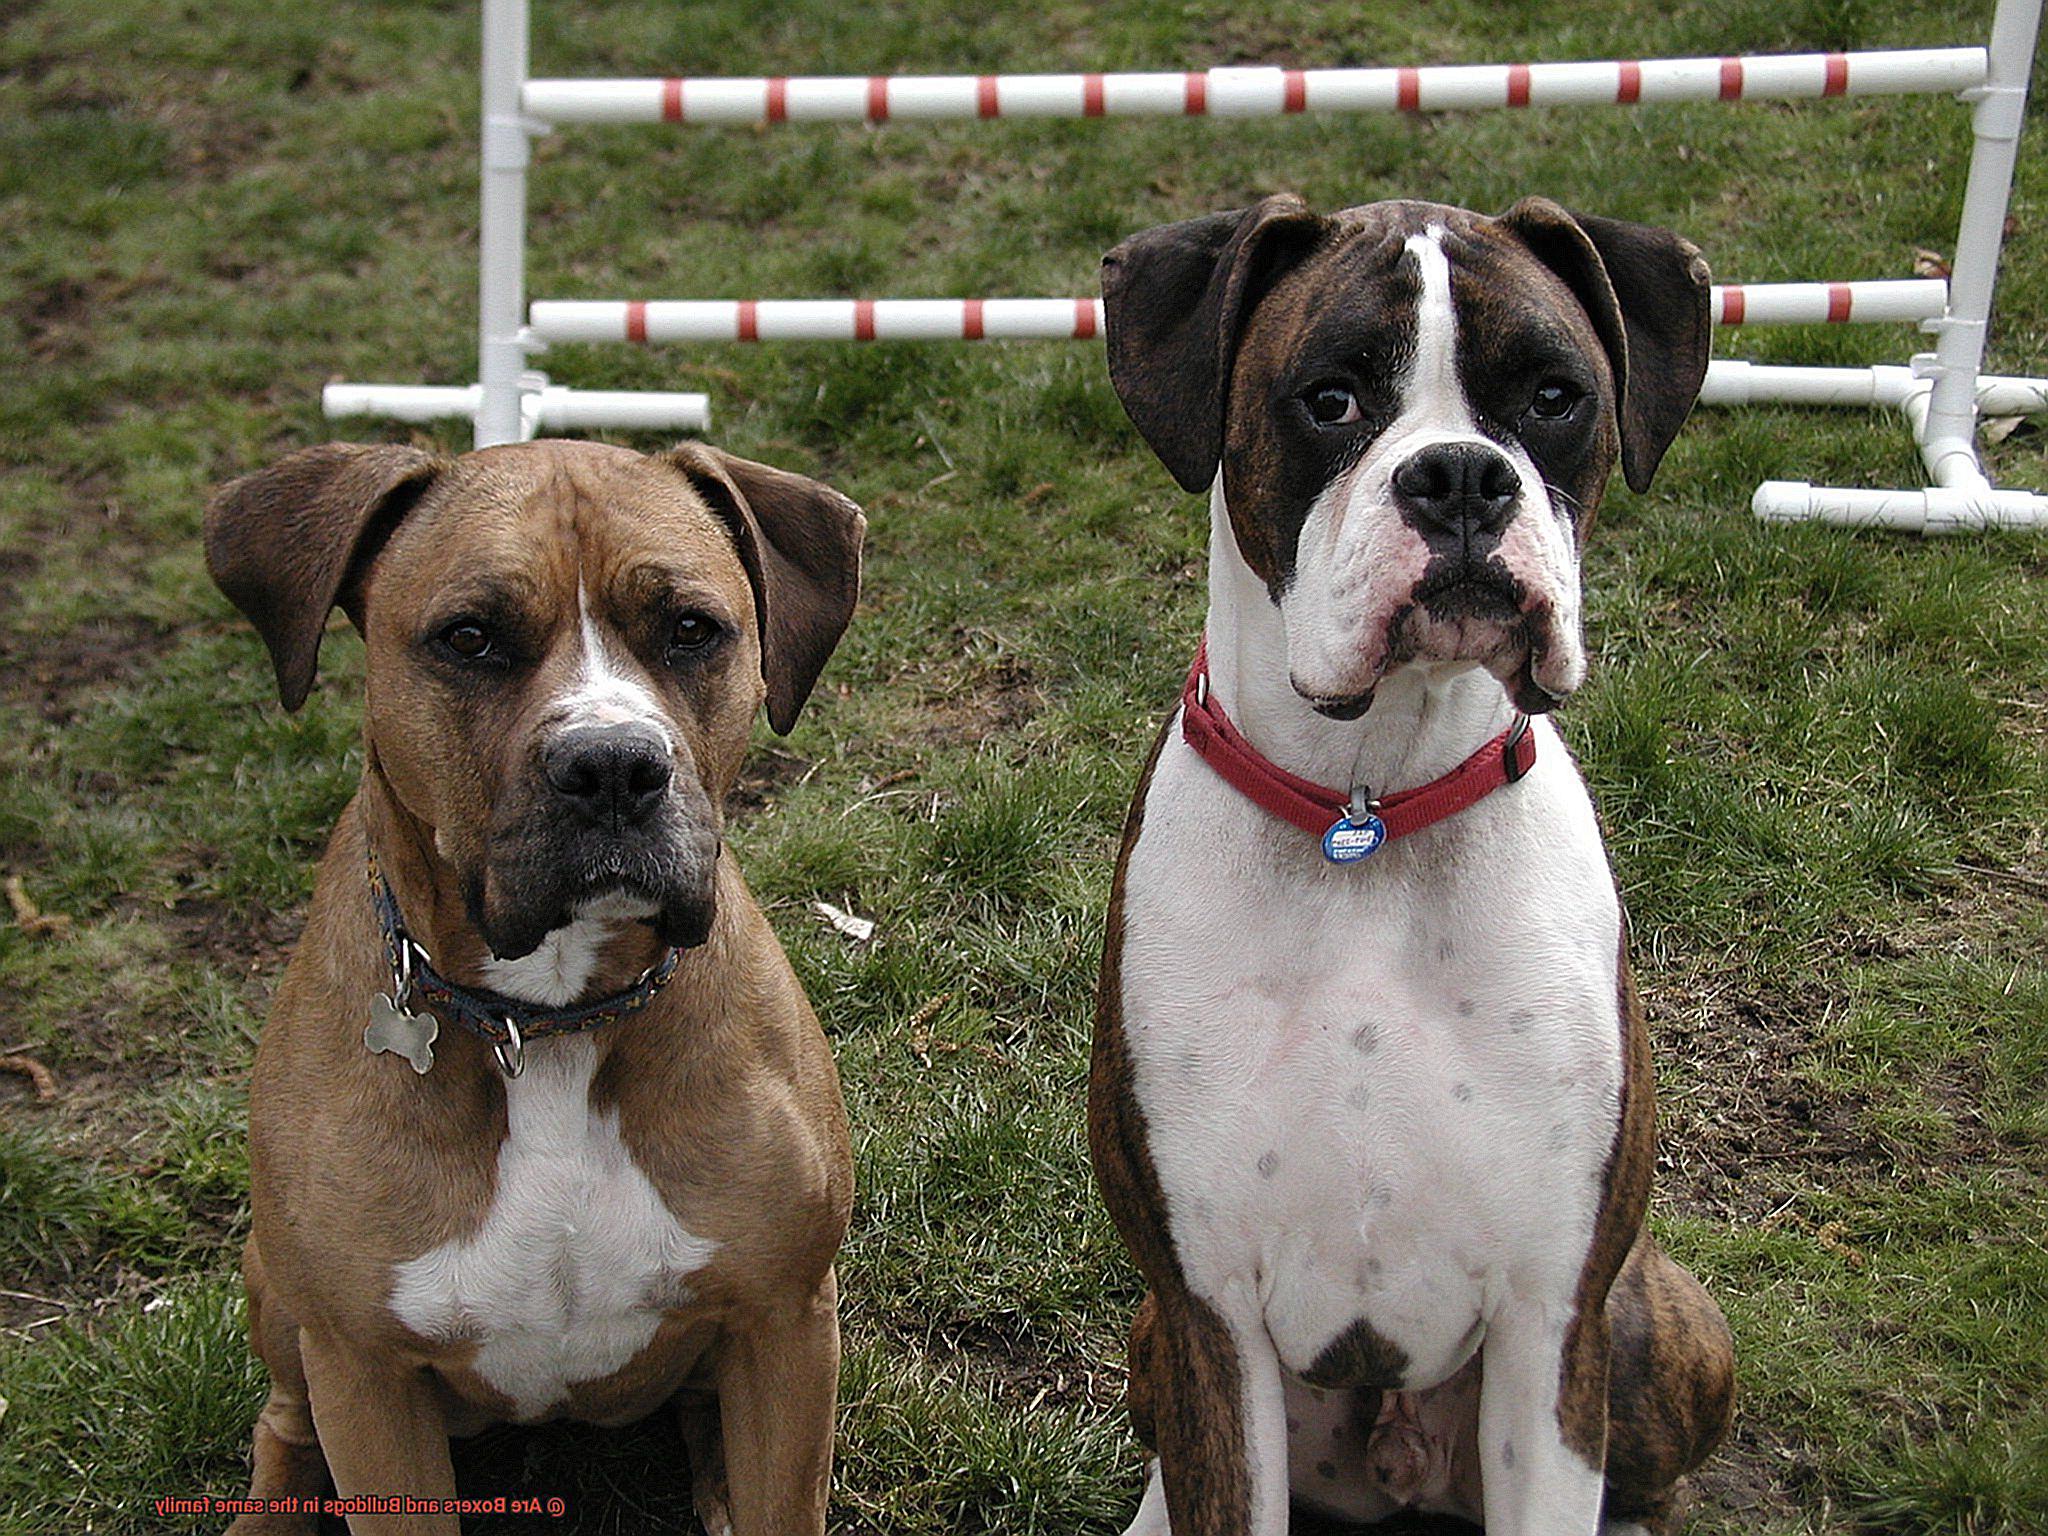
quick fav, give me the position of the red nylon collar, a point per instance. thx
(1318, 810)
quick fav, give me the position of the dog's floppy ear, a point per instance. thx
(1174, 301)
(800, 544)
(287, 543)
(1647, 292)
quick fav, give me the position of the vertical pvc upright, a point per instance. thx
(1948, 438)
(501, 232)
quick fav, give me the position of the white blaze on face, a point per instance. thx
(1357, 561)
(604, 691)
(1434, 399)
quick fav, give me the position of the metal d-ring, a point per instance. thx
(401, 976)
(511, 1051)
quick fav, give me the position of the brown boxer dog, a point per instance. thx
(542, 1125)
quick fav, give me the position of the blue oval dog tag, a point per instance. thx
(1348, 841)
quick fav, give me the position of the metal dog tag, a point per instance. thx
(403, 1033)
(1348, 841)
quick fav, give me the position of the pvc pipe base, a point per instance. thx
(1933, 510)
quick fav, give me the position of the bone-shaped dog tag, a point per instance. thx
(402, 1032)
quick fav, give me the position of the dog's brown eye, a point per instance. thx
(1332, 405)
(467, 639)
(1553, 400)
(693, 632)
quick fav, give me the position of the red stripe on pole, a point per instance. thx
(878, 99)
(778, 98)
(970, 321)
(1630, 87)
(985, 102)
(1518, 85)
(1295, 98)
(1091, 95)
(749, 325)
(1408, 90)
(863, 319)
(671, 101)
(1731, 79)
(1732, 304)
(636, 320)
(1838, 302)
(1084, 319)
(1838, 75)
(1196, 93)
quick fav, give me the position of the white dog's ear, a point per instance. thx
(800, 542)
(1175, 300)
(288, 543)
(1649, 295)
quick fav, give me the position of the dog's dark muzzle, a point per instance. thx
(608, 819)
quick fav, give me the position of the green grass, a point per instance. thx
(1822, 758)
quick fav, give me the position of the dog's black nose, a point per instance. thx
(612, 775)
(1459, 487)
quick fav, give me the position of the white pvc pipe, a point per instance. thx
(401, 402)
(1948, 433)
(1255, 91)
(817, 320)
(501, 228)
(1938, 509)
(665, 320)
(561, 409)
(1733, 382)
(1918, 298)
(550, 408)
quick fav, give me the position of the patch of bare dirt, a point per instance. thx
(242, 943)
(1741, 1117)
(1003, 697)
(1756, 1474)
(1021, 1368)
(766, 773)
(53, 673)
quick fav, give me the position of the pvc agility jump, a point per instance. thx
(1941, 393)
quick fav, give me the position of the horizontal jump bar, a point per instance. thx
(551, 408)
(1254, 91)
(1081, 319)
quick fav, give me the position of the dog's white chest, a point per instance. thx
(577, 1257)
(1384, 1093)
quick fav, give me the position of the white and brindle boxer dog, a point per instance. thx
(542, 1125)
(1377, 1129)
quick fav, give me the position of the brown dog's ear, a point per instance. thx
(1648, 294)
(800, 544)
(1174, 301)
(288, 543)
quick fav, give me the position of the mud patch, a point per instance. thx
(244, 944)
(1002, 698)
(1739, 1115)
(58, 674)
(762, 779)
